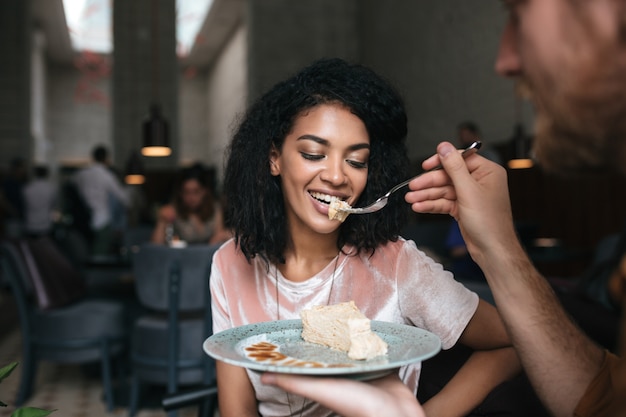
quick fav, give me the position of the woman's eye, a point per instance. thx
(357, 164)
(311, 156)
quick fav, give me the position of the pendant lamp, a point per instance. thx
(155, 128)
(521, 141)
(134, 173)
(155, 134)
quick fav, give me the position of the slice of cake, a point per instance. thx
(336, 210)
(342, 326)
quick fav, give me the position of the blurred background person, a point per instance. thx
(12, 201)
(194, 216)
(461, 263)
(98, 186)
(12, 185)
(40, 196)
(468, 132)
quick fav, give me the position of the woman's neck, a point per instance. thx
(306, 256)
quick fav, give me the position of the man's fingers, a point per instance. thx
(434, 207)
(432, 200)
(431, 194)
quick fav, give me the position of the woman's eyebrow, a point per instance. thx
(359, 146)
(315, 139)
(326, 142)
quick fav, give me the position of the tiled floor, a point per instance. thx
(69, 389)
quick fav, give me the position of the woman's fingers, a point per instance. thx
(350, 398)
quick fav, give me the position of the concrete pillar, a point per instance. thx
(15, 47)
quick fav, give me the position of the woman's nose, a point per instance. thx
(334, 172)
(508, 62)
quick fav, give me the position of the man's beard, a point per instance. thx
(562, 149)
(582, 128)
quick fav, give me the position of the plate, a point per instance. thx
(277, 346)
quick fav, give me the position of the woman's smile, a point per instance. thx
(325, 200)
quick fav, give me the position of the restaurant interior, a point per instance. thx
(175, 75)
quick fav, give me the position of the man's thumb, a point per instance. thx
(444, 149)
(451, 160)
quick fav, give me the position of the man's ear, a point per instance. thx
(274, 164)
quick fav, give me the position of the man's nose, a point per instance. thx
(508, 62)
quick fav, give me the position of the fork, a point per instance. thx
(382, 201)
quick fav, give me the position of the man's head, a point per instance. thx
(468, 132)
(570, 55)
(100, 154)
(41, 171)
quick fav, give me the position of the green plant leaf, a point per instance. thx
(6, 371)
(31, 412)
(24, 411)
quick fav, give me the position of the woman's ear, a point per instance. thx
(274, 164)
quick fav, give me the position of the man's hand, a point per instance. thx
(474, 191)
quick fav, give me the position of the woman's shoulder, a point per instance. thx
(232, 269)
(389, 252)
(400, 252)
(227, 250)
(397, 247)
(230, 255)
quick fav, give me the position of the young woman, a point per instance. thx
(336, 130)
(193, 217)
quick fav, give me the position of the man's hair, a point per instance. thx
(255, 207)
(41, 171)
(100, 153)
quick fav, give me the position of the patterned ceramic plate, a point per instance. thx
(277, 346)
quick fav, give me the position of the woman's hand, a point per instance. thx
(167, 214)
(386, 396)
(165, 217)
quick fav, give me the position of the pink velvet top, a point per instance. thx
(398, 283)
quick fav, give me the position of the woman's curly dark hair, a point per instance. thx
(255, 206)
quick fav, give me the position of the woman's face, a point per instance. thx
(192, 194)
(324, 156)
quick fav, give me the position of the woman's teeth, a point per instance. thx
(324, 198)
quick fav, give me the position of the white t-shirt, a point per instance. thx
(398, 284)
(40, 198)
(97, 185)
